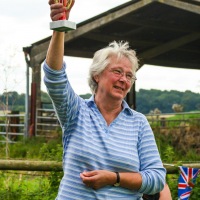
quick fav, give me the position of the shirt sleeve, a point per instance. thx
(64, 99)
(151, 167)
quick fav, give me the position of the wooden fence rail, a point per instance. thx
(25, 165)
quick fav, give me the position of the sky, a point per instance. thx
(26, 22)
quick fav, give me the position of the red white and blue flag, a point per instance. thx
(186, 182)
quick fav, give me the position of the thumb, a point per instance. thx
(89, 174)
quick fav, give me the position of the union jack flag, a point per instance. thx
(186, 182)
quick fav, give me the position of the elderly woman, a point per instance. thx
(109, 150)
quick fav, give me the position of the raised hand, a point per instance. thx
(60, 9)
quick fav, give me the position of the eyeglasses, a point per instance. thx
(119, 73)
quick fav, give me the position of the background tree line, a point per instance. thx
(146, 100)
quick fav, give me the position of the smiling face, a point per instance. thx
(110, 83)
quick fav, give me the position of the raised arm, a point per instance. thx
(55, 51)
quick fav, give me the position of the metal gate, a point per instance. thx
(12, 126)
(47, 124)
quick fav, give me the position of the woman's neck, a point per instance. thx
(109, 110)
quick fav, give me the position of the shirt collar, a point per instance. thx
(125, 109)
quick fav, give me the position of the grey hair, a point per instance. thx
(102, 57)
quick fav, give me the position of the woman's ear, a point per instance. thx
(96, 78)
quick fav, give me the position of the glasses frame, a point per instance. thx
(117, 72)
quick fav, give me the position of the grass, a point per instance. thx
(176, 120)
(185, 116)
(25, 187)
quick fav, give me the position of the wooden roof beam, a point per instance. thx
(168, 46)
(174, 64)
(182, 5)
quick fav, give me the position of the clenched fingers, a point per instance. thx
(57, 11)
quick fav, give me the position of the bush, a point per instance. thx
(25, 187)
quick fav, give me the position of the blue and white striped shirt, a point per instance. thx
(126, 145)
